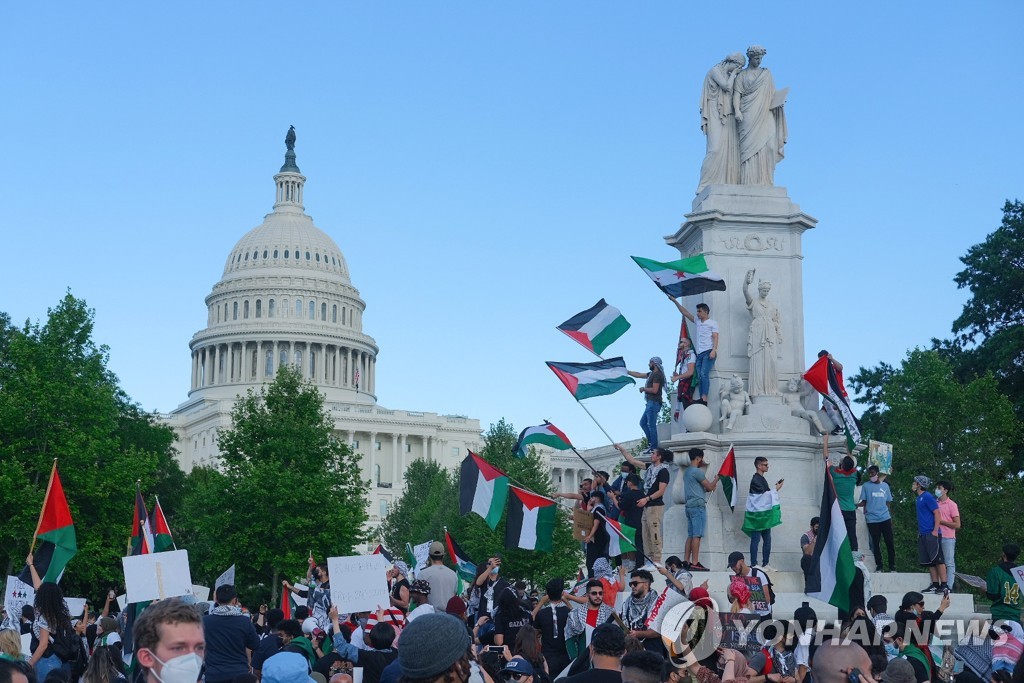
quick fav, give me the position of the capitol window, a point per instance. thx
(246, 256)
(270, 308)
(234, 311)
(298, 308)
(298, 359)
(312, 363)
(286, 253)
(318, 257)
(255, 255)
(264, 253)
(296, 254)
(245, 309)
(307, 255)
(275, 253)
(323, 312)
(334, 313)
(270, 363)
(342, 315)
(312, 310)
(259, 308)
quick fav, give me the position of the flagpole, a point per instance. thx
(610, 439)
(46, 497)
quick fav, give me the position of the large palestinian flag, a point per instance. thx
(483, 489)
(464, 567)
(162, 539)
(546, 434)
(828, 381)
(56, 530)
(597, 327)
(763, 509)
(683, 277)
(727, 478)
(531, 521)
(831, 574)
(586, 380)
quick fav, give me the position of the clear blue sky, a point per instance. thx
(487, 169)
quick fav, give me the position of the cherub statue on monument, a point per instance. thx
(795, 396)
(733, 400)
(765, 335)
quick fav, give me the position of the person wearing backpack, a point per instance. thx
(55, 645)
(754, 577)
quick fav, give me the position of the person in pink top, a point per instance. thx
(949, 522)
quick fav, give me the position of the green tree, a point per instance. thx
(287, 486)
(59, 400)
(430, 503)
(945, 429)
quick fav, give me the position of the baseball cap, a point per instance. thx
(437, 549)
(520, 666)
(734, 557)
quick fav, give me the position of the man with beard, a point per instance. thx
(637, 608)
(586, 617)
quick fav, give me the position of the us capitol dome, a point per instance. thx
(286, 297)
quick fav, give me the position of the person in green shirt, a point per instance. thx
(1002, 589)
(846, 479)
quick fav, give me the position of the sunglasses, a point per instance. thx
(636, 583)
(513, 676)
(597, 592)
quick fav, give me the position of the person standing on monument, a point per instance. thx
(929, 539)
(760, 121)
(763, 340)
(651, 391)
(949, 516)
(695, 484)
(707, 344)
(686, 368)
(876, 499)
(655, 478)
(722, 161)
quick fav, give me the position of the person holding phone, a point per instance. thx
(763, 512)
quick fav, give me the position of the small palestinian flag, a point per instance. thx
(56, 530)
(464, 567)
(546, 434)
(597, 327)
(162, 539)
(621, 538)
(763, 509)
(483, 489)
(531, 521)
(683, 277)
(831, 575)
(727, 478)
(383, 552)
(828, 381)
(142, 535)
(586, 380)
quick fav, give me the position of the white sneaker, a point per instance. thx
(768, 568)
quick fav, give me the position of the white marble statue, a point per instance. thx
(734, 400)
(795, 397)
(760, 121)
(722, 161)
(764, 338)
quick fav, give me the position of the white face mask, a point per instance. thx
(891, 650)
(183, 669)
(874, 478)
(939, 493)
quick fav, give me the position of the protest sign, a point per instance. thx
(668, 599)
(75, 606)
(739, 632)
(582, 523)
(880, 455)
(1018, 576)
(122, 602)
(358, 583)
(156, 576)
(225, 579)
(202, 593)
(16, 595)
(26, 644)
(420, 552)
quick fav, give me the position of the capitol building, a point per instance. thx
(286, 297)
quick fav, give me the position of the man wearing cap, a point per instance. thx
(517, 670)
(442, 580)
(436, 647)
(929, 534)
(738, 565)
(419, 600)
(651, 391)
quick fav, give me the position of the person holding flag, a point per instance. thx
(707, 343)
(686, 368)
(656, 478)
(596, 540)
(651, 391)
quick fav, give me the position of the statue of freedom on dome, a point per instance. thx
(289, 139)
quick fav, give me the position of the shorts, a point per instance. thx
(929, 550)
(696, 518)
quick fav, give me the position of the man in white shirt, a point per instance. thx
(707, 344)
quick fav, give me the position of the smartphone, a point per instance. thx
(494, 648)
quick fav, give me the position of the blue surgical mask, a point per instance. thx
(495, 570)
(891, 650)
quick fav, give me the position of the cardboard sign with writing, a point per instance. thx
(358, 583)
(16, 595)
(582, 523)
(157, 576)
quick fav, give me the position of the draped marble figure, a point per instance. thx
(760, 121)
(763, 340)
(722, 160)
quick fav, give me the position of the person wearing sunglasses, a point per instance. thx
(518, 670)
(586, 618)
(637, 608)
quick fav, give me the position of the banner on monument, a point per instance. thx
(359, 583)
(157, 576)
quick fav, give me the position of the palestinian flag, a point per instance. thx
(828, 381)
(546, 434)
(464, 567)
(483, 489)
(142, 534)
(162, 539)
(597, 327)
(683, 277)
(585, 380)
(727, 478)
(383, 552)
(56, 530)
(831, 575)
(286, 603)
(763, 510)
(622, 538)
(531, 521)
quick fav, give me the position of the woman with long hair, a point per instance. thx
(102, 668)
(527, 646)
(52, 620)
(509, 617)
(10, 645)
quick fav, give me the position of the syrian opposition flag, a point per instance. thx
(597, 327)
(585, 380)
(828, 381)
(531, 521)
(464, 567)
(142, 534)
(56, 530)
(831, 575)
(621, 537)
(727, 478)
(383, 552)
(763, 509)
(162, 539)
(546, 434)
(483, 489)
(683, 277)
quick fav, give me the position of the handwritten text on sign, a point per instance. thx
(358, 583)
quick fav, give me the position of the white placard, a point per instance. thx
(1018, 576)
(16, 594)
(358, 583)
(75, 606)
(227, 578)
(202, 593)
(156, 576)
(26, 644)
(420, 552)
(122, 602)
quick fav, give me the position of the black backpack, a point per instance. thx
(66, 645)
